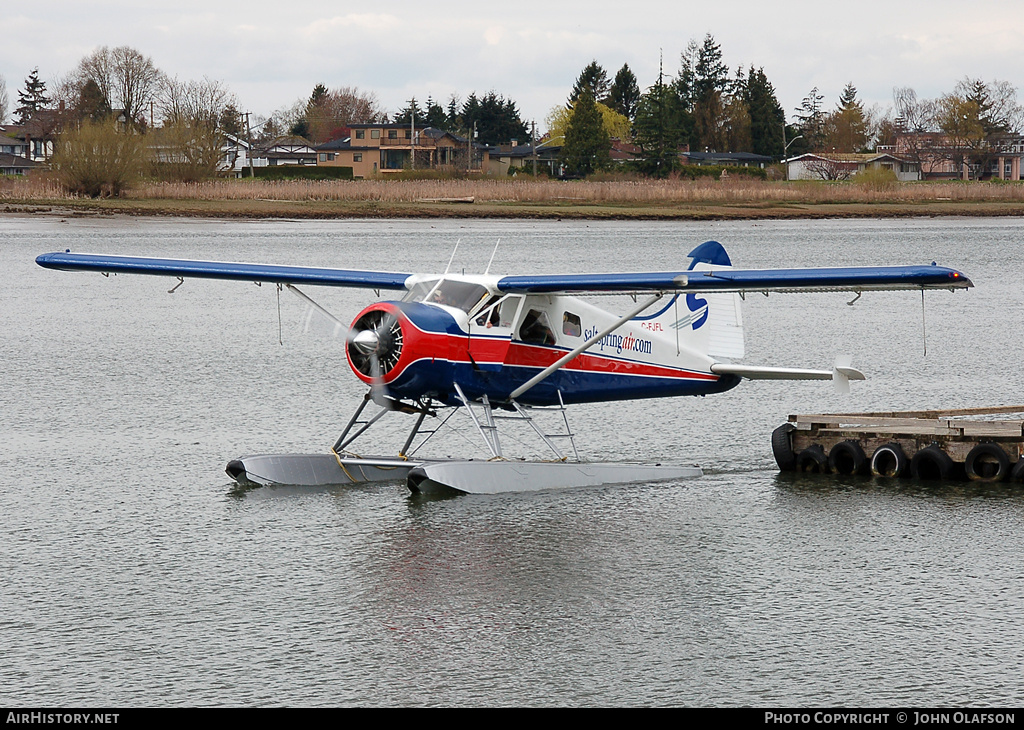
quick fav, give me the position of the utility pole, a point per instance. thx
(533, 136)
(248, 154)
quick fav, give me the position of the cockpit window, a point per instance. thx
(459, 294)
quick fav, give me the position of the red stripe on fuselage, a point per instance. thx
(419, 345)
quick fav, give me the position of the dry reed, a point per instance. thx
(546, 192)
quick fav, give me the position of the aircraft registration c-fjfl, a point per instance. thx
(506, 346)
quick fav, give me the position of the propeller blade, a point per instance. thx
(378, 391)
(319, 320)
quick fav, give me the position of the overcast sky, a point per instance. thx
(271, 54)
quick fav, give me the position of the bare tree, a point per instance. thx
(830, 168)
(125, 78)
(914, 115)
(136, 82)
(98, 67)
(326, 115)
(193, 102)
(4, 101)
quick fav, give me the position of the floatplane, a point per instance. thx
(506, 347)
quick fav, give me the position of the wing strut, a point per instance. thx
(596, 338)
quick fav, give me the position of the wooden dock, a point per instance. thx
(980, 444)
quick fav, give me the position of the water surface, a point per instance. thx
(136, 576)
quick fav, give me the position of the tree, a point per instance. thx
(136, 82)
(912, 114)
(616, 125)
(662, 124)
(32, 98)
(187, 151)
(810, 120)
(230, 121)
(594, 79)
(831, 168)
(127, 80)
(411, 113)
(965, 139)
(624, 94)
(767, 118)
(193, 102)
(998, 110)
(91, 102)
(4, 101)
(328, 118)
(846, 129)
(496, 119)
(99, 159)
(586, 145)
(704, 80)
(736, 127)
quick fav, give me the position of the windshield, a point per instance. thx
(459, 294)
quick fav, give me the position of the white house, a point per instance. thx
(844, 165)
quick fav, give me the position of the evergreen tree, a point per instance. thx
(811, 120)
(708, 87)
(587, 144)
(767, 118)
(318, 95)
(847, 128)
(434, 116)
(230, 121)
(409, 114)
(32, 98)
(300, 128)
(710, 73)
(594, 79)
(497, 119)
(91, 102)
(624, 94)
(684, 82)
(661, 125)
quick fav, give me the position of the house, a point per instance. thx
(506, 159)
(285, 151)
(941, 157)
(724, 159)
(235, 160)
(38, 133)
(382, 149)
(15, 164)
(10, 144)
(844, 165)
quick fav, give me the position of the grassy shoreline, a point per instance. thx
(530, 199)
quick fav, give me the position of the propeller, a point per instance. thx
(374, 342)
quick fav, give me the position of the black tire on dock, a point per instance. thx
(987, 462)
(847, 457)
(889, 461)
(1017, 473)
(782, 447)
(932, 463)
(812, 460)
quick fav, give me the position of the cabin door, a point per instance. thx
(490, 332)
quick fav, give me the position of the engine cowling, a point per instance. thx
(375, 345)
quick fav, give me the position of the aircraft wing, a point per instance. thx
(856, 278)
(222, 270)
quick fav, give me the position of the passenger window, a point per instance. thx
(571, 325)
(535, 329)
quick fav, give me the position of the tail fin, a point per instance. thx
(705, 323)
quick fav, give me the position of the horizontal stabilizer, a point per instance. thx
(841, 374)
(759, 372)
(226, 270)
